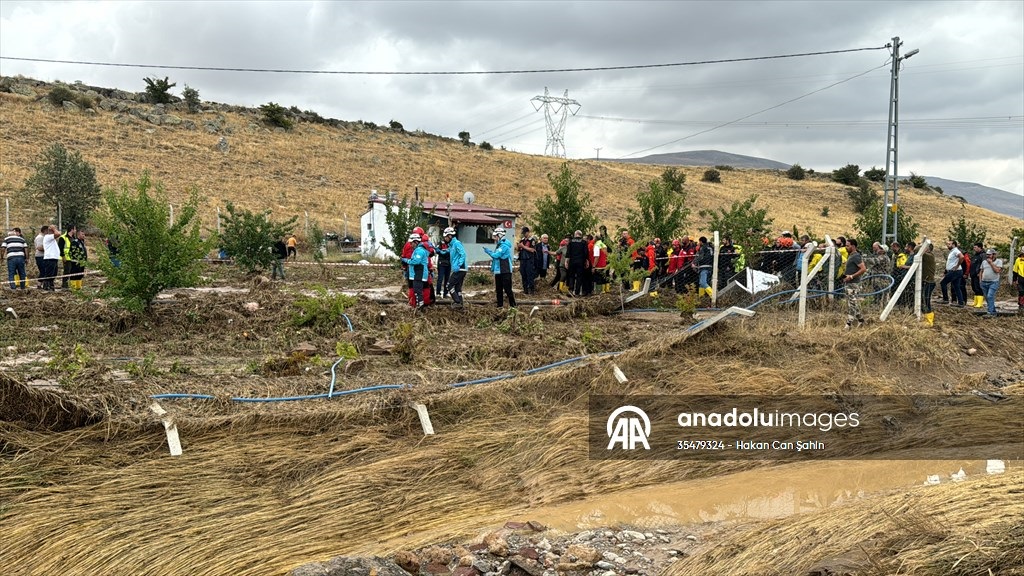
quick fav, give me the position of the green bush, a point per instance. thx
(62, 178)
(249, 238)
(918, 181)
(862, 195)
(485, 145)
(824, 212)
(796, 172)
(464, 138)
(153, 252)
(875, 174)
(396, 126)
(712, 175)
(191, 96)
(323, 310)
(159, 91)
(848, 174)
(724, 168)
(276, 115)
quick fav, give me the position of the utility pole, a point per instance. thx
(890, 199)
(560, 107)
(598, 150)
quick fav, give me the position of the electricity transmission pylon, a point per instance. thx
(556, 111)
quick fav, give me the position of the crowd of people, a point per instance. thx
(57, 255)
(579, 266)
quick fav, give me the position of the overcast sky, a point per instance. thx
(961, 105)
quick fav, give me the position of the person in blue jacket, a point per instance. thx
(501, 266)
(457, 255)
(418, 272)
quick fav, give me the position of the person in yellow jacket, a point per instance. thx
(1018, 279)
(68, 265)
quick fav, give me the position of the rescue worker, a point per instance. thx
(417, 270)
(457, 256)
(501, 266)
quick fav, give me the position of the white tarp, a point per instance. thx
(758, 281)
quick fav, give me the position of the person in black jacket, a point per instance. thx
(280, 255)
(576, 253)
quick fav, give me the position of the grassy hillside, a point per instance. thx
(329, 172)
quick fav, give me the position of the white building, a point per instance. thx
(473, 224)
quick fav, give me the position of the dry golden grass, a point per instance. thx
(263, 489)
(329, 172)
(972, 528)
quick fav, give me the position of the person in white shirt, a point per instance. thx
(953, 276)
(991, 268)
(51, 255)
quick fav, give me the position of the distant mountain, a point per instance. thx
(994, 199)
(709, 158)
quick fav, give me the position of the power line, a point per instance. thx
(779, 105)
(982, 121)
(440, 73)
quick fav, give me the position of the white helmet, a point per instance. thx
(449, 231)
(499, 232)
(414, 237)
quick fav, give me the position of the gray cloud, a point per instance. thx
(971, 66)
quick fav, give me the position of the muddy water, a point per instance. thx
(756, 494)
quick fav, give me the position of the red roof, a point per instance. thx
(441, 208)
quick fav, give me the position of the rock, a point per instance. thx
(170, 120)
(482, 566)
(525, 566)
(496, 544)
(633, 535)
(305, 349)
(355, 366)
(251, 306)
(464, 571)
(527, 552)
(70, 106)
(605, 565)
(537, 526)
(344, 566)
(408, 561)
(436, 555)
(585, 554)
(222, 144)
(972, 351)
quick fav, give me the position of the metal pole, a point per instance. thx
(7, 214)
(171, 221)
(218, 220)
(891, 171)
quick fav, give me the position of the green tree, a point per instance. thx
(464, 137)
(191, 97)
(487, 146)
(660, 212)
(153, 252)
(796, 172)
(673, 180)
(159, 91)
(862, 195)
(568, 210)
(396, 126)
(276, 115)
(712, 175)
(401, 217)
(746, 225)
(848, 174)
(66, 182)
(869, 226)
(249, 237)
(966, 234)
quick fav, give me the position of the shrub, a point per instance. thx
(396, 126)
(158, 91)
(464, 137)
(875, 174)
(824, 212)
(712, 175)
(724, 168)
(848, 174)
(276, 115)
(673, 180)
(191, 96)
(796, 172)
(745, 224)
(862, 195)
(918, 181)
(153, 252)
(321, 311)
(249, 238)
(59, 94)
(485, 145)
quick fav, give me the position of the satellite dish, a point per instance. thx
(468, 197)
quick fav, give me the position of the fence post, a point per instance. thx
(714, 273)
(903, 285)
(805, 278)
(919, 276)
(1011, 260)
(832, 255)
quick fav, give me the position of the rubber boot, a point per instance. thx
(562, 287)
(636, 285)
(979, 301)
(929, 318)
(606, 288)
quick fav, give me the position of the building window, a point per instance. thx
(483, 234)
